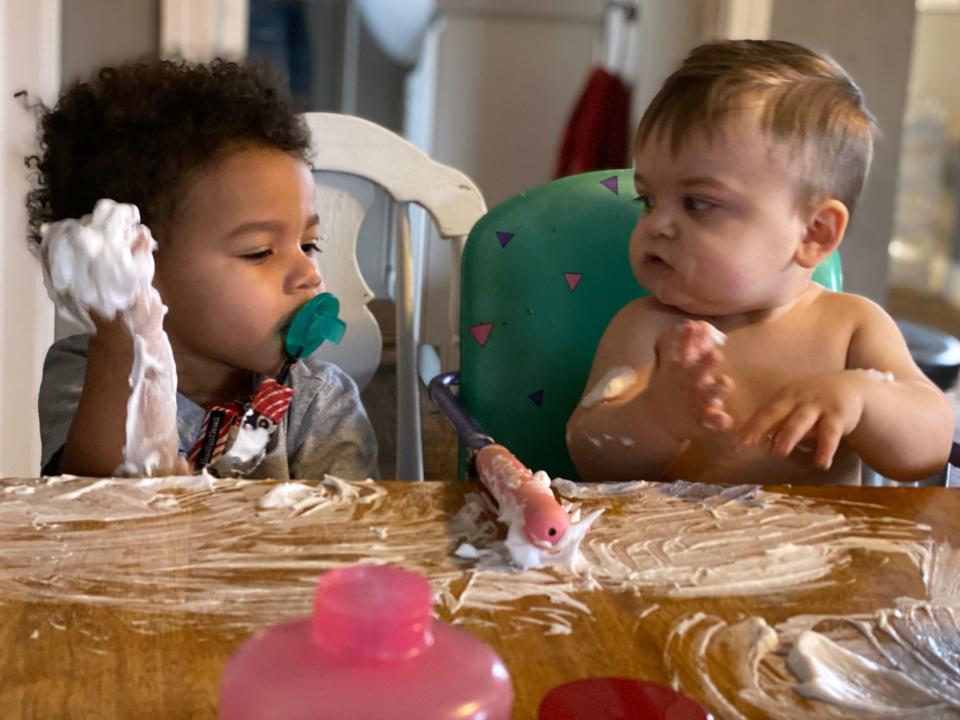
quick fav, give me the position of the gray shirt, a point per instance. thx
(325, 431)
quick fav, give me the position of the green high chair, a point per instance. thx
(542, 275)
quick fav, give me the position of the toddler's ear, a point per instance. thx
(826, 224)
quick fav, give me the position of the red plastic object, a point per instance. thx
(617, 699)
(370, 651)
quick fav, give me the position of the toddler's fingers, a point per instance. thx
(762, 422)
(701, 340)
(140, 242)
(702, 370)
(725, 385)
(669, 345)
(829, 434)
(794, 428)
(666, 350)
(716, 418)
(686, 351)
(716, 389)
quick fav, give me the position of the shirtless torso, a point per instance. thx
(813, 336)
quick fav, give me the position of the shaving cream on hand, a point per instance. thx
(102, 264)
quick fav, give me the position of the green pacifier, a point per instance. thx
(315, 322)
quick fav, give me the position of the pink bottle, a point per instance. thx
(371, 651)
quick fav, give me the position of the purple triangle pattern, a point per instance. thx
(611, 184)
(536, 398)
(504, 237)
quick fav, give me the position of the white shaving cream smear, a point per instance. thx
(902, 661)
(611, 386)
(201, 546)
(880, 376)
(691, 540)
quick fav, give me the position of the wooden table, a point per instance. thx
(122, 601)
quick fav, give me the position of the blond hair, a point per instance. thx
(807, 102)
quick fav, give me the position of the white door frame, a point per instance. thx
(201, 30)
(30, 38)
(738, 20)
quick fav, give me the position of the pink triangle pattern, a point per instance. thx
(481, 332)
(573, 279)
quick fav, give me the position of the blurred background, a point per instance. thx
(491, 87)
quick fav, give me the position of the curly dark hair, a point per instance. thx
(135, 133)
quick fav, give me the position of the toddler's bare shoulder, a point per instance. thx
(850, 308)
(630, 335)
(646, 312)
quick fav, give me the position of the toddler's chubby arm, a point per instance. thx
(894, 418)
(653, 386)
(98, 434)
(94, 444)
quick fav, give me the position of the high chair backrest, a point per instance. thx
(354, 161)
(542, 275)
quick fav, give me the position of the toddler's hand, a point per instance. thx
(144, 319)
(690, 390)
(145, 316)
(97, 266)
(825, 407)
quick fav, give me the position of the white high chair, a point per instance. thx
(353, 157)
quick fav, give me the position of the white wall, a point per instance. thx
(200, 30)
(668, 30)
(105, 32)
(936, 56)
(926, 255)
(30, 38)
(872, 39)
(507, 79)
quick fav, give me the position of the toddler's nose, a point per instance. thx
(658, 223)
(306, 276)
(314, 281)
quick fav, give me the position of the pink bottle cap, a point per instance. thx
(617, 699)
(372, 613)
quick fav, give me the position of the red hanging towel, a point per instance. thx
(596, 135)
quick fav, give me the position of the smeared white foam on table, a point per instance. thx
(902, 661)
(179, 550)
